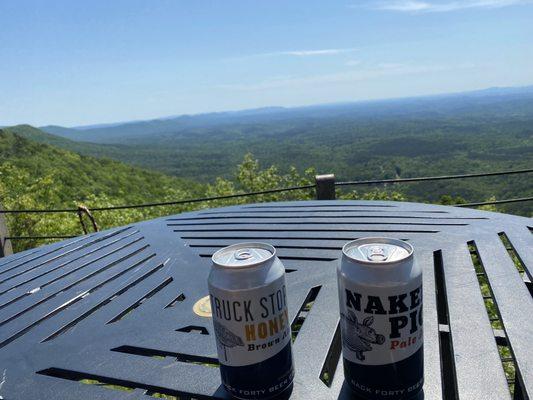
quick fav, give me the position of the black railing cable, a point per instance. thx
(269, 191)
(166, 203)
(433, 178)
(484, 203)
(488, 203)
(40, 237)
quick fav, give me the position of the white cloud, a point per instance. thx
(306, 53)
(297, 53)
(352, 63)
(418, 6)
(392, 66)
(403, 6)
(360, 74)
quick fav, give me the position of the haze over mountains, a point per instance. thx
(428, 107)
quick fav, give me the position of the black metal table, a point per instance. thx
(90, 317)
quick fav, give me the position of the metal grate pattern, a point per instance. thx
(109, 315)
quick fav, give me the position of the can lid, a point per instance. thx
(243, 255)
(377, 250)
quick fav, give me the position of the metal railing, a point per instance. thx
(324, 186)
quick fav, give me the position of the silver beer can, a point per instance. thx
(380, 298)
(251, 321)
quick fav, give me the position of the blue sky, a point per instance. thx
(73, 63)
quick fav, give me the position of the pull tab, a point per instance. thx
(243, 254)
(376, 253)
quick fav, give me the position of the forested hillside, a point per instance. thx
(112, 151)
(34, 175)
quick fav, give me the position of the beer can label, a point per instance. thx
(250, 325)
(380, 325)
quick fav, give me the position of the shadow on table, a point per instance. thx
(347, 394)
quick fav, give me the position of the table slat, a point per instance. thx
(479, 372)
(514, 302)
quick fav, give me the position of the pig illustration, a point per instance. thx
(359, 337)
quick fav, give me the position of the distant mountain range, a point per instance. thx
(509, 100)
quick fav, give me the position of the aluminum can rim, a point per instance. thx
(244, 245)
(383, 240)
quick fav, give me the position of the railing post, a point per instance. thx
(5, 245)
(325, 187)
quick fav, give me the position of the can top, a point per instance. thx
(377, 250)
(242, 255)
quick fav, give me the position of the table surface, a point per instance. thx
(115, 308)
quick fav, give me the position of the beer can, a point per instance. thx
(380, 298)
(251, 322)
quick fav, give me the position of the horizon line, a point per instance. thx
(168, 117)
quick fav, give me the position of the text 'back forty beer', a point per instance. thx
(380, 298)
(252, 327)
